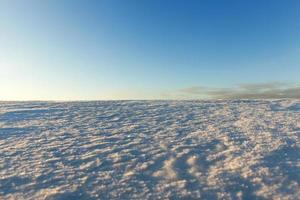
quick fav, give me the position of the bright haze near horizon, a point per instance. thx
(110, 50)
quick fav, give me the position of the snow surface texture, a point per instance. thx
(150, 150)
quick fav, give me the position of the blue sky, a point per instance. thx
(138, 49)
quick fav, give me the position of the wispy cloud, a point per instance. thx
(271, 90)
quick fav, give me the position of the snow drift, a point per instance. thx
(246, 149)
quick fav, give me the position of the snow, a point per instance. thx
(238, 149)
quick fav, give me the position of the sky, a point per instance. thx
(149, 49)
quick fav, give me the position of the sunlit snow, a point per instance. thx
(244, 149)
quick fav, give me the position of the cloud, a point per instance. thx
(271, 90)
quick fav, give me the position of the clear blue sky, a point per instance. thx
(138, 49)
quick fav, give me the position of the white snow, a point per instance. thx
(243, 149)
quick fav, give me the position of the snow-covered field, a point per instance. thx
(150, 150)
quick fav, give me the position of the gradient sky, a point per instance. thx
(138, 49)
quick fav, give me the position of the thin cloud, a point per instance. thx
(271, 90)
(192, 90)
